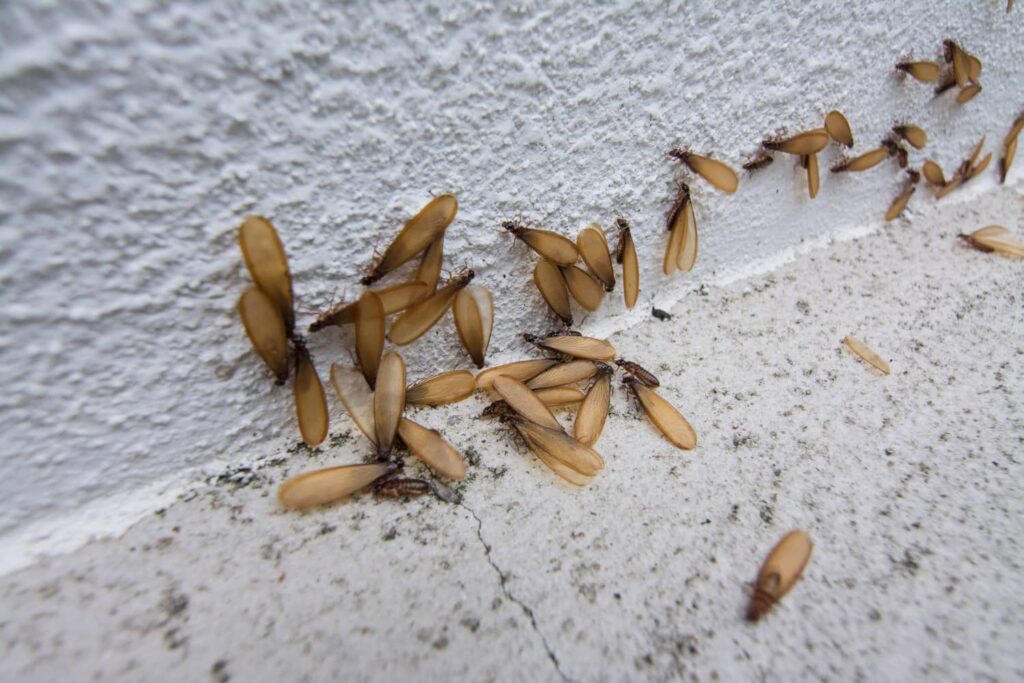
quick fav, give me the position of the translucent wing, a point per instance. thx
(669, 421)
(933, 173)
(369, 334)
(525, 402)
(268, 265)
(310, 402)
(417, 234)
(838, 128)
(401, 296)
(388, 401)
(593, 247)
(812, 175)
(521, 370)
(630, 271)
(780, 571)
(559, 396)
(593, 411)
(915, 135)
(864, 161)
(430, 267)
(328, 485)
(474, 316)
(866, 353)
(448, 387)
(926, 72)
(687, 256)
(900, 203)
(263, 324)
(564, 373)
(561, 447)
(803, 144)
(418, 319)
(586, 348)
(552, 246)
(968, 93)
(357, 397)
(548, 278)
(714, 171)
(429, 446)
(585, 288)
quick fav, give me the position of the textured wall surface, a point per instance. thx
(135, 135)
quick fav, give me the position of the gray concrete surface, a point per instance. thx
(910, 485)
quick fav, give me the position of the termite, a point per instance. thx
(780, 571)
(640, 372)
(419, 232)
(625, 253)
(915, 135)
(669, 421)
(422, 316)
(762, 160)
(712, 170)
(402, 487)
(552, 246)
(839, 128)
(926, 72)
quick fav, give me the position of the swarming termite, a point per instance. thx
(593, 411)
(839, 128)
(575, 462)
(896, 149)
(926, 72)
(417, 235)
(669, 421)
(801, 144)
(474, 318)
(448, 387)
(640, 372)
(863, 162)
(762, 160)
(420, 317)
(712, 170)
(660, 314)
(593, 247)
(625, 253)
(780, 571)
(681, 250)
(994, 238)
(586, 348)
(556, 248)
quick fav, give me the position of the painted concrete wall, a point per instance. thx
(135, 135)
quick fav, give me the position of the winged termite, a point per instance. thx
(430, 447)
(522, 370)
(393, 300)
(780, 571)
(926, 72)
(551, 285)
(959, 60)
(625, 253)
(681, 251)
(537, 447)
(586, 348)
(813, 179)
(564, 373)
(559, 445)
(839, 128)
(968, 93)
(268, 265)
(900, 203)
(429, 271)
(973, 68)
(474, 318)
(388, 402)
(448, 387)
(867, 354)
(978, 169)
(342, 314)
(310, 402)
(994, 238)
(638, 371)
(369, 334)
(263, 324)
(559, 396)
(525, 402)
(933, 173)
(758, 162)
(950, 185)
(1009, 151)
(593, 411)
(801, 144)
(584, 287)
(915, 135)
(417, 234)
(420, 317)
(593, 247)
(669, 421)
(402, 487)
(320, 487)
(711, 170)
(552, 246)
(863, 162)
(357, 397)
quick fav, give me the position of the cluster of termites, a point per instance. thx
(376, 392)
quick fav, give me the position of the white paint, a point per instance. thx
(136, 135)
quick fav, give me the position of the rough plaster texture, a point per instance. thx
(909, 484)
(135, 135)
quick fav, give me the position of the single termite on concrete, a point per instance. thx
(712, 170)
(669, 421)
(760, 161)
(442, 389)
(645, 376)
(265, 328)
(320, 487)
(915, 135)
(593, 247)
(994, 238)
(422, 316)
(388, 402)
(474, 319)
(862, 162)
(416, 236)
(867, 354)
(681, 250)
(838, 128)
(926, 72)
(556, 248)
(431, 448)
(576, 346)
(593, 411)
(780, 571)
(550, 282)
(660, 314)
(310, 401)
(625, 253)
(801, 144)
(268, 265)
(369, 334)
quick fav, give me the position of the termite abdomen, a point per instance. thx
(402, 487)
(641, 373)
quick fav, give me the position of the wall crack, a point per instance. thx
(503, 583)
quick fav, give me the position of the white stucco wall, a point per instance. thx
(135, 135)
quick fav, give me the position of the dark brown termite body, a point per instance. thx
(660, 314)
(896, 149)
(682, 196)
(760, 161)
(645, 376)
(622, 226)
(402, 487)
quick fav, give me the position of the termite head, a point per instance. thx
(682, 154)
(532, 338)
(841, 164)
(914, 176)
(497, 409)
(463, 278)
(890, 144)
(949, 46)
(513, 226)
(760, 161)
(622, 224)
(604, 369)
(974, 243)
